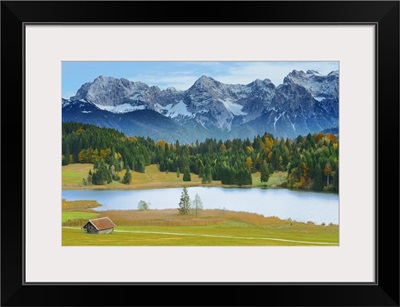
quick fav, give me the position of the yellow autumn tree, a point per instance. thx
(161, 144)
(81, 156)
(95, 155)
(249, 163)
(268, 142)
(318, 136)
(327, 172)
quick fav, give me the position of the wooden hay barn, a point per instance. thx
(99, 226)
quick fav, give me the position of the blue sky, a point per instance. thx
(182, 75)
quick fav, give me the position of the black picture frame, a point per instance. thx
(383, 14)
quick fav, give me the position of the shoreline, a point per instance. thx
(161, 185)
(152, 178)
(96, 209)
(120, 187)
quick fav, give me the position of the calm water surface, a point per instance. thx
(300, 206)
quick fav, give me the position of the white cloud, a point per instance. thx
(275, 71)
(180, 82)
(182, 75)
(231, 73)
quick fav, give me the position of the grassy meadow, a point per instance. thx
(73, 174)
(152, 178)
(209, 228)
(169, 228)
(78, 211)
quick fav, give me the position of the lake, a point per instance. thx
(282, 203)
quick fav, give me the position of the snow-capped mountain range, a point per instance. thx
(305, 102)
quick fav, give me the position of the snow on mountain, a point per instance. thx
(122, 108)
(234, 108)
(109, 91)
(305, 102)
(179, 109)
(65, 102)
(318, 85)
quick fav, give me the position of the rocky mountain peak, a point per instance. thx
(205, 82)
(305, 102)
(258, 83)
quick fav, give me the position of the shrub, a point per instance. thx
(330, 188)
(143, 206)
(284, 184)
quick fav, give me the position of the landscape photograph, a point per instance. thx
(200, 153)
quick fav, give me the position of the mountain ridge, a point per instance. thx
(306, 102)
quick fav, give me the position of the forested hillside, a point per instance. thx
(311, 161)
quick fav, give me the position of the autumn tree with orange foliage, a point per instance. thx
(307, 160)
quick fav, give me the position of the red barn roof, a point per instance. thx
(102, 223)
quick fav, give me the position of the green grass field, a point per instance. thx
(275, 179)
(69, 216)
(152, 178)
(73, 174)
(79, 211)
(210, 228)
(226, 235)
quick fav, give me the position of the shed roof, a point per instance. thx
(102, 223)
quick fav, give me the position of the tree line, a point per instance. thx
(185, 205)
(311, 161)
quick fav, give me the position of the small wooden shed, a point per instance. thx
(99, 226)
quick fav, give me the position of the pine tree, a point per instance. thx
(64, 160)
(102, 175)
(89, 179)
(162, 166)
(186, 175)
(318, 180)
(309, 159)
(128, 176)
(141, 165)
(209, 176)
(66, 155)
(184, 203)
(264, 172)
